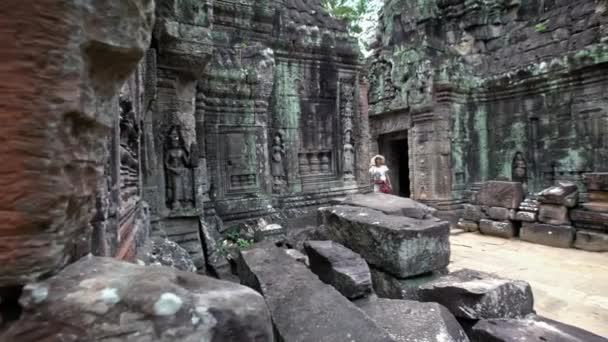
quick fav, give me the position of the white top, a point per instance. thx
(378, 173)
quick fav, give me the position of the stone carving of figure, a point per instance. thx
(349, 156)
(129, 132)
(278, 169)
(519, 168)
(178, 164)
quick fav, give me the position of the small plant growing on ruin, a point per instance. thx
(236, 238)
(541, 27)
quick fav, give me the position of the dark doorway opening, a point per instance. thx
(394, 148)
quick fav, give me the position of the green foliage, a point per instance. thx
(244, 243)
(351, 11)
(541, 27)
(241, 242)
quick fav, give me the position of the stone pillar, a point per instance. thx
(58, 104)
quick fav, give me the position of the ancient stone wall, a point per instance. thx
(492, 89)
(251, 107)
(63, 65)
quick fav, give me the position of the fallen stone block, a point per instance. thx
(391, 205)
(501, 214)
(475, 295)
(530, 329)
(504, 229)
(596, 181)
(468, 226)
(402, 246)
(589, 219)
(548, 234)
(526, 216)
(163, 252)
(410, 321)
(563, 193)
(591, 241)
(388, 286)
(473, 213)
(501, 194)
(303, 308)
(553, 214)
(340, 267)
(106, 299)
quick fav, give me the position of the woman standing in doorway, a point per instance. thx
(379, 174)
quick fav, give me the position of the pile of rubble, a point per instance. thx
(374, 271)
(334, 285)
(553, 217)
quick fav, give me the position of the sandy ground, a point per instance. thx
(569, 285)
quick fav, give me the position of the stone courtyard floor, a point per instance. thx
(569, 285)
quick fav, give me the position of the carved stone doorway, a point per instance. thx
(394, 147)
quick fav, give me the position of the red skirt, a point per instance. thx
(384, 187)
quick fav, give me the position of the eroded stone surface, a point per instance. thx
(526, 216)
(504, 229)
(501, 194)
(530, 329)
(59, 104)
(473, 213)
(163, 252)
(340, 267)
(553, 214)
(548, 234)
(106, 299)
(564, 193)
(591, 241)
(304, 308)
(589, 219)
(399, 245)
(468, 226)
(410, 321)
(475, 295)
(389, 286)
(391, 205)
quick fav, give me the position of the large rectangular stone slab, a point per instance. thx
(388, 286)
(591, 241)
(339, 267)
(475, 295)
(303, 308)
(391, 205)
(589, 219)
(503, 229)
(548, 234)
(401, 246)
(596, 181)
(411, 321)
(553, 214)
(530, 328)
(501, 194)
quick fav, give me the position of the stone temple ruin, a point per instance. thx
(197, 170)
